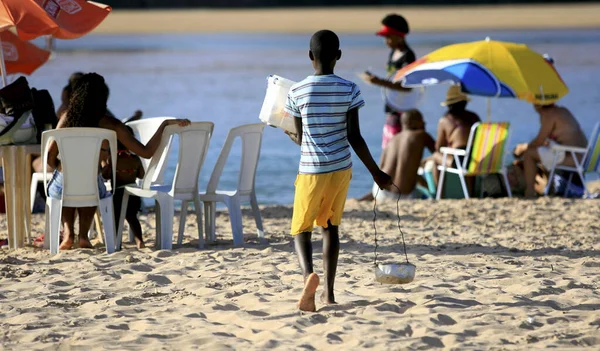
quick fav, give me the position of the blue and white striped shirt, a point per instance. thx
(323, 102)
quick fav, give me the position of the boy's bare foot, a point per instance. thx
(140, 244)
(66, 244)
(307, 300)
(327, 300)
(85, 243)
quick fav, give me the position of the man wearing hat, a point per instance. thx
(394, 30)
(454, 127)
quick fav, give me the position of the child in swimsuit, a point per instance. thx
(129, 169)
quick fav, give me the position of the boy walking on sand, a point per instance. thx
(325, 108)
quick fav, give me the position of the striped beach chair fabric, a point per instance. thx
(484, 155)
(587, 160)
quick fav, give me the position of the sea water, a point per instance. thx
(222, 78)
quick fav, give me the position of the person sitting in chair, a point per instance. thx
(558, 126)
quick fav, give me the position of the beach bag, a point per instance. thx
(562, 186)
(16, 123)
(492, 185)
(18, 130)
(43, 112)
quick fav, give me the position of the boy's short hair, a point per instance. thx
(324, 45)
(411, 118)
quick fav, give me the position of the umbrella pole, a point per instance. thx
(3, 65)
(489, 109)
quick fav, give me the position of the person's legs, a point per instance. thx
(331, 251)
(530, 160)
(307, 201)
(86, 217)
(330, 217)
(68, 221)
(304, 251)
(133, 206)
(303, 246)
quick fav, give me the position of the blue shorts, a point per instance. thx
(55, 186)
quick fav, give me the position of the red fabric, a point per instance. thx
(21, 56)
(63, 19)
(385, 31)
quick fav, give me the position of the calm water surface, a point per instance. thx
(221, 78)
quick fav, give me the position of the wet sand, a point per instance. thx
(353, 19)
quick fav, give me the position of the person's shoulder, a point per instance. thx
(109, 121)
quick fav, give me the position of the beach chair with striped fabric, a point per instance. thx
(484, 155)
(588, 163)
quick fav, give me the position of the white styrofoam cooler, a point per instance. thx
(272, 112)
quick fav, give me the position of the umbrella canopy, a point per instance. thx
(63, 19)
(489, 68)
(21, 56)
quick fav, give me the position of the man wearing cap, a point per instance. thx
(454, 127)
(394, 30)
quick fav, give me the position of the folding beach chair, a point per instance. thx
(484, 155)
(589, 163)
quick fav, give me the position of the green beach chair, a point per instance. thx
(484, 155)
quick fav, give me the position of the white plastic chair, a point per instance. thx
(144, 130)
(79, 150)
(251, 136)
(38, 177)
(589, 162)
(193, 145)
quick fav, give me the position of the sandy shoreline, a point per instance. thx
(491, 275)
(352, 20)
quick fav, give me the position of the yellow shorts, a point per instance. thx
(319, 198)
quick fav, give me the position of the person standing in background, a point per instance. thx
(394, 30)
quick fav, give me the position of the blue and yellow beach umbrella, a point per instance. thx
(489, 68)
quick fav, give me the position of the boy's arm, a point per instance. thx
(296, 137)
(362, 151)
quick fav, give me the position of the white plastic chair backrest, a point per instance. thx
(144, 130)
(79, 152)
(251, 135)
(193, 146)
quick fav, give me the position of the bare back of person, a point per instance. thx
(565, 129)
(402, 157)
(457, 127)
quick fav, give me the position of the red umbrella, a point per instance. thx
(63, 19)
(21, 56)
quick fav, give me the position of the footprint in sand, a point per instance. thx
(443, 319)
(121, 326)
(258, 313)
(196, 315)
(228, 307)
(334, 339)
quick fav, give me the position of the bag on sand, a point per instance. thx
(24, 113)
(16, 103)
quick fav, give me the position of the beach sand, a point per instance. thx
(352, 19)
(502, 274)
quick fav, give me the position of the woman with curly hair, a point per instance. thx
(87, 108)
